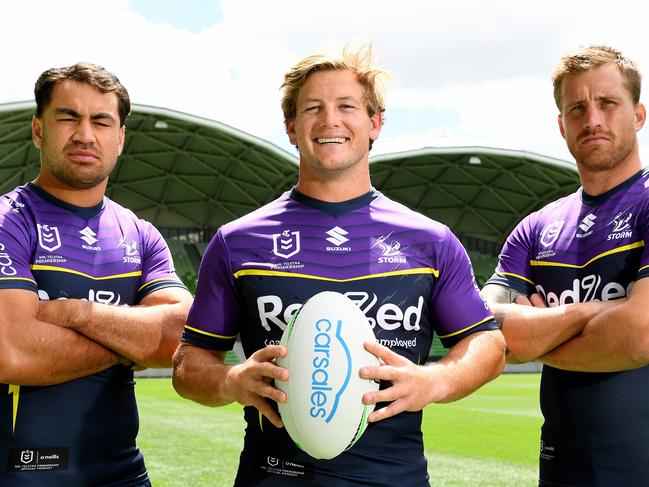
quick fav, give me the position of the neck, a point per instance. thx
(599, 182)
(85, 198)
(334, 186)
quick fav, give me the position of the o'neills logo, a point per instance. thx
(325, 395)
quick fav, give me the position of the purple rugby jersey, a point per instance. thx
(408, 274)
(577, 249)
(86, 427)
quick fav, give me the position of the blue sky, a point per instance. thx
(465, 72)
(189, 15)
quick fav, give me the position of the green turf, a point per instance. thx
(487, 439)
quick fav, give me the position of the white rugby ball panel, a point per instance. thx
(324, 413)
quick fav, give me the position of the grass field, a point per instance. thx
(488, 439)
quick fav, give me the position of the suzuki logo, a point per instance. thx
(337, 236)
(88, 236)
(587, 222)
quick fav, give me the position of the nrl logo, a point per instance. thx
(286, 244)
(48, 237)
(551, 233)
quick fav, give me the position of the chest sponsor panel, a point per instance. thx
(397, 308)
(62, 284)
(607, 277)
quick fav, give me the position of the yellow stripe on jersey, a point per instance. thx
(515, 275)
(210, 334)
(263, 272)
(467, 328)
(37, 267)
(15, 390)
(17, 279)
(634, 245)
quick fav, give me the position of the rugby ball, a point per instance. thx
(324, 413)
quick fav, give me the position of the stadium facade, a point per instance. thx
(189, 175)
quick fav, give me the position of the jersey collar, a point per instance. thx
(335, 209)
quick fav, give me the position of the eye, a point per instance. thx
(576, 109)
(347, 107)
(311, 108)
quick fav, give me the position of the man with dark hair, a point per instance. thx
(109, 297)
(570, 289)
(333, 231)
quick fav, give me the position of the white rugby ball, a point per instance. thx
(324, 413)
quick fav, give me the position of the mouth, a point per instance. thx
(331, 140)
(593, 139)
(83, 156)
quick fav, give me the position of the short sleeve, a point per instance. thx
(157, 264)
(458, 309)
(15, 253)
(213, 320)
(513, 269)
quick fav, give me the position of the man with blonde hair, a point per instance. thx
(570, 288)
(409, 275)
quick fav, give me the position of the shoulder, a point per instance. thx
(389, 212)
(16, 204)
(267, 215)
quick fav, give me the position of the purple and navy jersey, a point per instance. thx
(80, 432)
(408, 274)
(577, 249)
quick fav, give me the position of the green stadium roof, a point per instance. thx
(182, 171)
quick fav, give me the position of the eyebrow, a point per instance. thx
(75, 114)
(340, 98)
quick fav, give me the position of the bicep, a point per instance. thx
(17, 307)
(167, 295)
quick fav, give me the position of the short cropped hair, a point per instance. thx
(589, 57)
(91, 74)
(359, 61)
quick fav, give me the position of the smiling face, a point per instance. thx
(80, 137)
(332, 128)
(599, 121)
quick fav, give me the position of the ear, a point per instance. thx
(37, 131)
(122, 133)
(290, 130)
(561, 127)
(376, 123)
(640, 116)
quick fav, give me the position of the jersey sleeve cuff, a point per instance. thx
(486, 325)
(13, 283)
(156, 285)
(207, 340)
(512, 281)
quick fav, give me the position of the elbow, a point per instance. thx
(639, 350)
(13, 367)
(178, 377)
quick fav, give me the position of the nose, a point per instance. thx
(593, 117)
(330, 117)
(84, 134)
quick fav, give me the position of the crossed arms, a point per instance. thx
(50, 342)
(596, 336)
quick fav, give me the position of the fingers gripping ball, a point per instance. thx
(324, 414)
